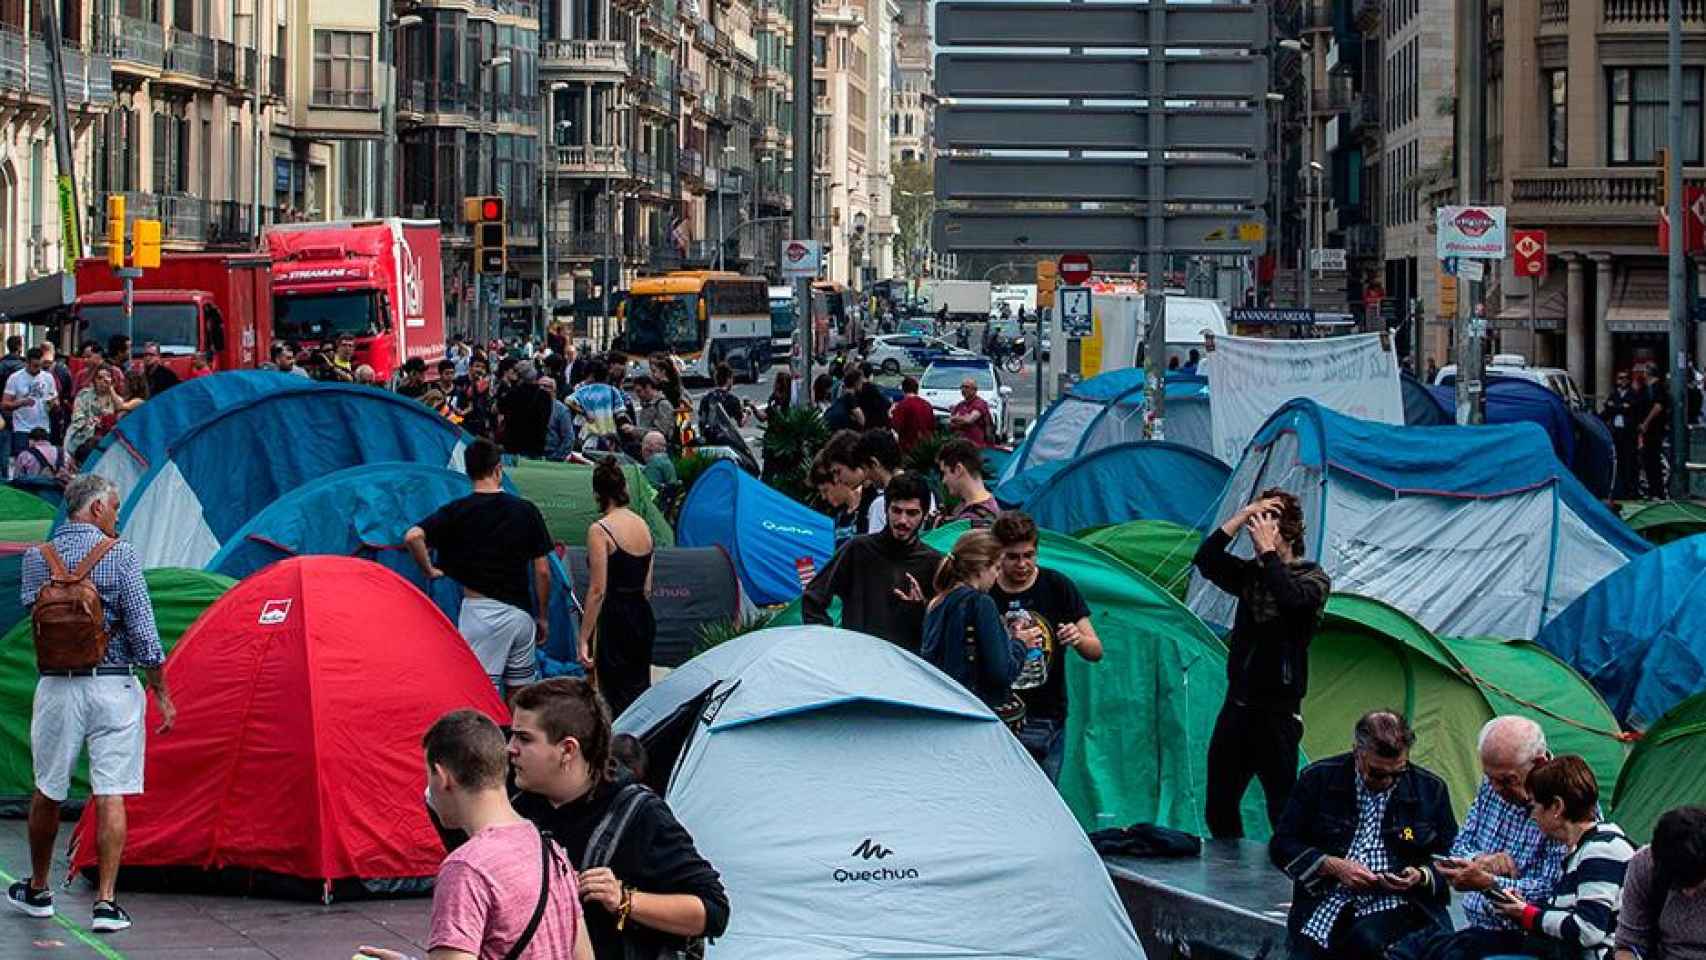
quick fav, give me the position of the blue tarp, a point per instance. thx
(1639, 635)
(1514, 400)
(225, 470)
(1596, 455)
(765, 532)
(1147, 480)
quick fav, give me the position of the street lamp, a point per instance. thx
(1316, 230)
(547, 266)
(1276, 103)
(722, 238)
(1308, 52)
(387, 199)
(610, 111)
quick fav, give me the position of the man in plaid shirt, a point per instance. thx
(1500, 848)
(102, 706)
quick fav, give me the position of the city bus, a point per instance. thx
(703, 318)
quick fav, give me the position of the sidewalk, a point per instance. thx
(178, 927)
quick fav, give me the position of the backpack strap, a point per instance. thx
(526, 937)
(55, 566)
(93, 557)
(607, 836)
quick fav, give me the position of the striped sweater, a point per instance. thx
(1582, 910)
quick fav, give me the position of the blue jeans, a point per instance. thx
(1046, 741)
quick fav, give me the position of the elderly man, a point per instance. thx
(1356, 838)
(100, 704)
(560, 430)
(970, 418)
(652, 411)
(1500, 848)
(659, 468)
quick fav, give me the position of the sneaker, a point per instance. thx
(36, 903)
(109, 917)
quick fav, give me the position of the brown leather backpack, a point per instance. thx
(68, 619)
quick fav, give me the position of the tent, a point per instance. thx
(563, 494)
(228, 467)
(937, 822)
(1639, 635)
(1667, 769)
(1157, 549)
(1142, 480)
(177, 596)
(691, 587)
(311, 682)
(24, 517)
(1663, 521)
(1471, 530)
(1585, 450)
(1421, 407)
(364, 511)
(773, 540)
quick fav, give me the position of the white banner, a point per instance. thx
(1250, 377)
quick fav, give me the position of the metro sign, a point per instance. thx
(1473, 232)
(1530, 249)
(1694, 222)
(1474, 222)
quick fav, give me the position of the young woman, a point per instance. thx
(669, 381)
(963, 632)
(617, 617)
(780, 400)
(93, 414)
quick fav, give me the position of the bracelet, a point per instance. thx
(625, 907)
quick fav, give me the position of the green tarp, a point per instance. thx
(563, 494)
(1157, 549)
(178, 597)
(1667, 769)
(1665, 520)
(24, 517)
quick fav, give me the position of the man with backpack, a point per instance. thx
(93, 627)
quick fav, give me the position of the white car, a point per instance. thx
(940, 387)
(893, 352)
(1554, 379)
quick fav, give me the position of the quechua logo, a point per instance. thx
(870, 849)
(867, 850)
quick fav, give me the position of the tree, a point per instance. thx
(913, 202)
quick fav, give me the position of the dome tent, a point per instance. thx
(281, 683)
(1471, 530)
(767, 534)
(228, 467)
(692, 587)
(1157, 549)
(1580, 439)
(563, 494)
(24, 517)
(1142, 480)
(1667, 769)
(941, 822)
(1663, 521)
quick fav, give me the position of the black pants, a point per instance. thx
(1628, 466)
(1361, 938)
(1653, 464)
(1475, 943)
(1250, 742)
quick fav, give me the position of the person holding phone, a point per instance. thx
(1280, 599)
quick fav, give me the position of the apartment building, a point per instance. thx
(912, 106)
(851, 178)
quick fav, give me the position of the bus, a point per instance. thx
(782, 320)
(829, 316)
(703, 318)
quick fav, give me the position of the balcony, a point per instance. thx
(1618, 196)
(705, 34)
(566, 242)
(184, 219)
(232, 224)
(1368, 13)
(1336, 99)
(1317, 15)
(1650, 14)
(597, 161)
(691, 83)
(139, 42)
(604, 56)
(692, 165)
(645, 167)
(1365, 112)
(189, 56)
(743, 109)
(88, 77)
(11, 58)
(1362, 241)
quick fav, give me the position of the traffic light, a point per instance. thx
(1662, 158)
(115, 231)
(1048, 278)
(147, 234)
(490, 255)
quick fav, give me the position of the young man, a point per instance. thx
(414, 385)
(489, 889)
(844, 412)
(28, 397)
(880, 454)
(343, 357)
(881, 578)
(961, 466)
(841, 503)
(284, 355)
(40, 458)
(160, 377)
(845, 460)
(1280, 599)
(913, 418)
(1041, 604)
(524, 413)
(722, 397)
(487, 541)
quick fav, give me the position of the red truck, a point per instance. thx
(381, 281)
(218, 305)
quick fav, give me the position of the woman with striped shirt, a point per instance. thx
(1579, 919)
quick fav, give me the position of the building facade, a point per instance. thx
(912, 106)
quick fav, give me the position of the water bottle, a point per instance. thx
(1033, 671)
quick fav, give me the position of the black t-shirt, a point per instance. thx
(839, 416)
(723, 398)
(487, 542)
(875, 405)
(868, 494)
(161, 379)
(414, 391)
(526, 410)
(1052, 600)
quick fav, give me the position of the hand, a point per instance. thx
(1351, 874)
(600, 886)
(1512, 908)
(912, 595)
(434, 573)
(1264, 533)
(1467, 878)
(168, 710)
(1497, 864)
(584, 655)
(541, 630)
(1068, 634)
(1401, 880)
(1257, 507)
(380, 954)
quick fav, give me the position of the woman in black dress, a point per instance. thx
(617, 627)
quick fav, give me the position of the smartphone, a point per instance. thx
(1500, 895)
(1450, 863)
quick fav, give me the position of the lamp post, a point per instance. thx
(610, 112)
(487, 324)
(1276, 103)
(547, 266)
(1303, 47)
(722, 239)
(382, 168)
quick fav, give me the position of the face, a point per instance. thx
(287, 358)
(1623, 381)
(968, 388)
(905, 517)
(1380, 773)
(1550, 818)
(1019, 562)
(447, 377)
(848, 476)
(646, 392)
(103, 513)
(151, 357)
(1509, 779)
(535, 759)
(346, 349)
(33, 365)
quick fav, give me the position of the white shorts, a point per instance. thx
(501, 636)
(105, 712)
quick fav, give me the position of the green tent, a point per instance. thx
(178, 596)
(563, 494)
(1667, 769)
(1159, 550)
(24, 517)
(1138, 729)
(1664, 520)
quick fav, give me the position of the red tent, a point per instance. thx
(295, 766)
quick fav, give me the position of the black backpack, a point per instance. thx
(601, 848)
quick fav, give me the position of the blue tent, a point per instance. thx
(1146, 480)
(1596, 454)
(765, 532)
(1421, 407)
(1580, 442)
(1639, 636)
(226, 469)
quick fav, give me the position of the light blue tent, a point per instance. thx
(1470, 530)
(1145, 480)
(766, 533)
(1639, 636)
(226, 469)
(859, 804)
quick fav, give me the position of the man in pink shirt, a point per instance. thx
(971, 418)
(508, 893)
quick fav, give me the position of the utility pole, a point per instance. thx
(1155, 259)
(387, 198)
(803, 163)
(1471, 140)
(1678, 279)
(70, 213)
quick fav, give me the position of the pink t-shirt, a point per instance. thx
(487, 890)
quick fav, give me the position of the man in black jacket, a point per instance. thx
(1280, 599)
(1357, 838)
(881, 577)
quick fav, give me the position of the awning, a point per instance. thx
(1640, 301)
(38, 301)
(1549, 313)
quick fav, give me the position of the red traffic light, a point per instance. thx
(492, 208)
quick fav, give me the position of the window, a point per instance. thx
(234, 188)
(1638, 98)
(820, 51)
(343, 69)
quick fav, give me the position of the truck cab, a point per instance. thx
(318, 300)
(216, 305)
(183, 322)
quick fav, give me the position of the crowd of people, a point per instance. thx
(1638, 414)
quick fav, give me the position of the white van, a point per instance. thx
(1188, 319)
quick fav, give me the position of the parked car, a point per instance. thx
(894, 352)
(1516, 365)
(940, 387)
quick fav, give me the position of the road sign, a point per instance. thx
(1075, 318)
(801, 259)
(1693, 215)
(1529, 247)
(974, 23)
(1472, 270)
(1112, 236)
(1242, 180)
(1098, 76)
(1470, 232)
(1327, 258)
(1009, 127)
(1075, 268)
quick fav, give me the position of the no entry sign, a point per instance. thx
(1075, 268)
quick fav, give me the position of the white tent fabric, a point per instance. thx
(859, 804)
